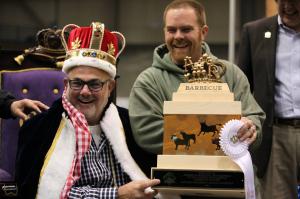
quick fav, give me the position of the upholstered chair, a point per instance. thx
(43, 84)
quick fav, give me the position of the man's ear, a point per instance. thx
(204, 31)
(111, 85)
(65, 82)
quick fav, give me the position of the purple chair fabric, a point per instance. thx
(5, 176)
(45, 85)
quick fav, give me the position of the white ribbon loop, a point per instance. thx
(238, 152)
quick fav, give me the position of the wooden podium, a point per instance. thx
(193, 162)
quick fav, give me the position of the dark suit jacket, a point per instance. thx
(257, 55)
(5, 101)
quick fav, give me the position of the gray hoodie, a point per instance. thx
(157, 83)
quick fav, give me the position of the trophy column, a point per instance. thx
(192, 162)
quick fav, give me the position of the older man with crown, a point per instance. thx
(78, 148)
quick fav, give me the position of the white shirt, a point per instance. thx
(287, 73)
(96, 133)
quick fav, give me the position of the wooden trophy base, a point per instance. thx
(199, 175)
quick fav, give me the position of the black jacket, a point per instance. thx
(5, 101)
(35, 139)
(257, 56)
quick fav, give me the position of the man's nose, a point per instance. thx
(85, 89)
(178, 34)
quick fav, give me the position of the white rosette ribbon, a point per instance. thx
(238, 152)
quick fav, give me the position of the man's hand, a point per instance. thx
(136, 189)
(247, 131)
(18, 107)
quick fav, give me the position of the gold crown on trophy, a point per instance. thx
(204, 70)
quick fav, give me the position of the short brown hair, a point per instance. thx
(197, 6)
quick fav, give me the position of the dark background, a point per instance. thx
(139, 20)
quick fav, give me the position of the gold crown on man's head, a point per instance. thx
(204, 70)
(93, 46)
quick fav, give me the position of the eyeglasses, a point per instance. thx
(94, 85)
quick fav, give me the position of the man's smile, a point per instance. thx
(85, 100)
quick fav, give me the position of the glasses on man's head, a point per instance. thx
(94, 85)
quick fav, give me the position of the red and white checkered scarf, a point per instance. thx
(83, 142)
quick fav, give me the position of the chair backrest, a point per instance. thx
(43, 84)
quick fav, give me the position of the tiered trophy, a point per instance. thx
(193, 162)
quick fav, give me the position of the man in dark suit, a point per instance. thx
(269, 56)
